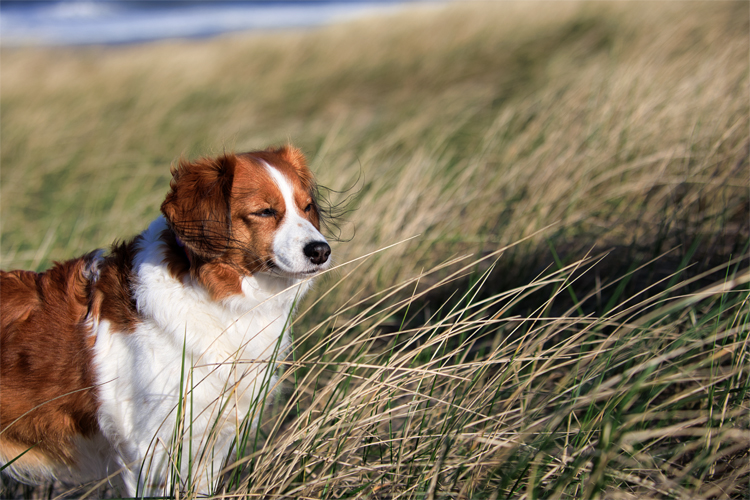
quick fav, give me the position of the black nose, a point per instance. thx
(317, 251)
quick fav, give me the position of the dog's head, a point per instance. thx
(248, 213)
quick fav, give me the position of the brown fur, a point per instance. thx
(210, 208)
(45, 362)
(112, 299)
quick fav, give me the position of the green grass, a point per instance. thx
(571, 319)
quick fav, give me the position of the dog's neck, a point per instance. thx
(181, 244)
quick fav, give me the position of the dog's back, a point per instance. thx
(48, 398)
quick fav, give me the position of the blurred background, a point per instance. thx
(473, 125)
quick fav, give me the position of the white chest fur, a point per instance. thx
(219, 351)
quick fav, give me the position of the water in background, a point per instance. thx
(75, 22)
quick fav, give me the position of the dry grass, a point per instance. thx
(603, 353)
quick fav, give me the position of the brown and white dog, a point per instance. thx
(94, 351)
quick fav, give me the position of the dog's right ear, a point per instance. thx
(198, 204)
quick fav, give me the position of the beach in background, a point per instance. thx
(117, 22)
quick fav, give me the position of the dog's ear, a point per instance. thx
(198, 204)
(294, 157)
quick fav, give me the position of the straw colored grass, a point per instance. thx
(562, 309)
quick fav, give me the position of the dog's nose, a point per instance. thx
(317, 252)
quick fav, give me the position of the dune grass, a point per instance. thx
(571, 319)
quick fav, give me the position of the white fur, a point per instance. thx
(295, 232)
(223, 342)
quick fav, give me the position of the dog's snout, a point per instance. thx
(317, 252)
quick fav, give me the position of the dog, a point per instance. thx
(114, 366)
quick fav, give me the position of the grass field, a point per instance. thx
(554, 202)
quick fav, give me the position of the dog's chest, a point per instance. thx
(216, 357)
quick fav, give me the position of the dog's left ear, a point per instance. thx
(198, 204)
(292, 155)
(296, 159)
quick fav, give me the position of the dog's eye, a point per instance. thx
(268, 212)
(308, 208)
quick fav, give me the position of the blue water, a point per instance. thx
(76, 22)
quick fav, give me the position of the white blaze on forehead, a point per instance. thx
(285, 186)
(295, 232)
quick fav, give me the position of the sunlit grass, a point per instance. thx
(481, 401)
(603, 147)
